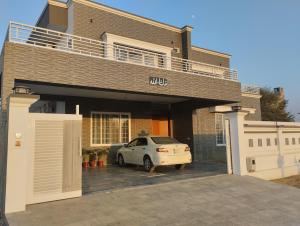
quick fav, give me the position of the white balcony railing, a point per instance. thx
(250, 89)
(21, 33)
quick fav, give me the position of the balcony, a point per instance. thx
(250, 89)
(45, 38)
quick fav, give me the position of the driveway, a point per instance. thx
(115, 177)
(215, 200)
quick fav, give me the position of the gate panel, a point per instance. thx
(55, 157)
(48, 157)
(72, 156)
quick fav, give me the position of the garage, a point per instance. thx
(111, 119)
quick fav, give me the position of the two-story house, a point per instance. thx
(130, 75)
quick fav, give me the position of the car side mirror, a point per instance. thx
(126, 145)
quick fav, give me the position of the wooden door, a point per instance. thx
(160, 126)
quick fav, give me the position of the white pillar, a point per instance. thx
(17, 151)
(238, 142)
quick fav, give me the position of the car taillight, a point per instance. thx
(161, 150)
(187, 149)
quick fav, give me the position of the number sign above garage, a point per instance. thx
(157, 81)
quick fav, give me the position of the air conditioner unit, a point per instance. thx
(251, 164)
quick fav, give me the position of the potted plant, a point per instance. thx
(93, 159)
(102, 158)
(85, 159)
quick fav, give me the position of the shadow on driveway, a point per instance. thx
(115, 177)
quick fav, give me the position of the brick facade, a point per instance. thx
(31, 63)
(210, 58)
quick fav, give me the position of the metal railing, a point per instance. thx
(37, 36)
(250, 89)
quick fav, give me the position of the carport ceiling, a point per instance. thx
(80, 92)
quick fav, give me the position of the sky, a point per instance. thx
(263, 36)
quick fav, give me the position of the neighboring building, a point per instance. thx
(129, 74)
(280, 92)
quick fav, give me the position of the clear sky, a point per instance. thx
(263, 36)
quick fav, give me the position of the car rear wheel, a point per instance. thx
(121, 160)
(148, 165)
(180, 166)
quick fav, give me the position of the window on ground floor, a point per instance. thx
(109, 128)
(220, 129)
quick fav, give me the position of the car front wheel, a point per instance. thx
(121, 161)
(148, 165)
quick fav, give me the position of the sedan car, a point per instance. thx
(152, 151)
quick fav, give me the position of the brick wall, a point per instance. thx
(210, 58)
(119, 25)
(204, 132)
(45, 65)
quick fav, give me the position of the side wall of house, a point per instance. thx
(204, 130)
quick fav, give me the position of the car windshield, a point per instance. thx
(164, 140)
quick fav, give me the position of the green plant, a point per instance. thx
(85, 157)
(102, 154)
(93, 156)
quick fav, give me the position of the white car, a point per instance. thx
(152, 151)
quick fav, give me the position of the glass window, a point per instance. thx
(259, 142)
(220, 129)
(149, 60)
(142, 142)
(110, 128)
(96, 128)
(165, 140)
(133, 143)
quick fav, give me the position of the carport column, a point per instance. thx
(17, 151)
(238, 142)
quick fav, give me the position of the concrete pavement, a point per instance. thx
(215, 200)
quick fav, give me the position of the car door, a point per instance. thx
(140, 150)
(128, 152)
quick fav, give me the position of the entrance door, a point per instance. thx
(160, 126)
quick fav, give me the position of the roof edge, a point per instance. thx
(130, 15)
(197, 48)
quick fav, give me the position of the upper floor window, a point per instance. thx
(109, 128)
(139, 56)
(220, 129)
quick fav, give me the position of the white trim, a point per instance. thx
(258, 96)
(227, 108)
(112, 39)
(210, 52)
(107, 112)
(128, 15)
